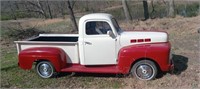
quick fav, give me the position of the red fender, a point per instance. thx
(158, 52)
(54, 55)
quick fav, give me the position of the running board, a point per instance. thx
(91, 69)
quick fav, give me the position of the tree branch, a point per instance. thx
(33, 4)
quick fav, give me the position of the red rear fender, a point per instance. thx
(55, 55)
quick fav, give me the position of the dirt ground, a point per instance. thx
(184, 38)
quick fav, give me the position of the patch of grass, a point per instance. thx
(187, 10)
(22, 14)
(8, 59)
(111, 84)
(6, 17)
(59, 27)
(18, 14)
(16, 34)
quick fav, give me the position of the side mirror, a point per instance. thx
(111, 34)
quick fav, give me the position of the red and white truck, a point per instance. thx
(100, 47)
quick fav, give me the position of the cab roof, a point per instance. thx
(96, 16)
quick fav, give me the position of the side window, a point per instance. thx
(97, 28)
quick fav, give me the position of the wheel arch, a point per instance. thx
(39, 60)
(140, 59)
(54, 64)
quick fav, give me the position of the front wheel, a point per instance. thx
(144, 70)
(45, 69)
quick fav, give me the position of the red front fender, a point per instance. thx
(54, 55)
(157, 52)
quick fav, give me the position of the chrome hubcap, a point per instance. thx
(45, 70)
(144, 71)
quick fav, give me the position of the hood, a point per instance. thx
(142, 37)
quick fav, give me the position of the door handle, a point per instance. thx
(89, 43)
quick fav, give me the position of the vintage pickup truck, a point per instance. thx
(100, 47)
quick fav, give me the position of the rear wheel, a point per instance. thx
(144, 70)
(45, 69)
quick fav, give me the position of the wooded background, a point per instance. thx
(121, 9)
(134, 9)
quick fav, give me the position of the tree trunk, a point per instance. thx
(41, 9)
(16, 4)
(61, 5)
(126, 10)
(171, 8)
(153, 11)
(12, 11)
(72, 17)
(146, 11)
(49, 9)
(199, 7)
(27, 9)
(37, 8)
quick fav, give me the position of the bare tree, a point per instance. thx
(72, 2)
(49, 9)
(17, 6)
(12, 11)
(153, 11)
(39, 7)
(41, 10)
(72, 17)
(171, 8)
(146, 11)
(126, 10)
(61, 5)
(62, 10)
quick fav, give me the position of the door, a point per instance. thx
(99, 47)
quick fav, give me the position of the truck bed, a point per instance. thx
(67, 42)
(55, 39)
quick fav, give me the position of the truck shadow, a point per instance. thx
(180, 65)
(90, 75)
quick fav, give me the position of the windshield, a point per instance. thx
(118, 29)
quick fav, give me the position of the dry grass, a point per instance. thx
(32, 22)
